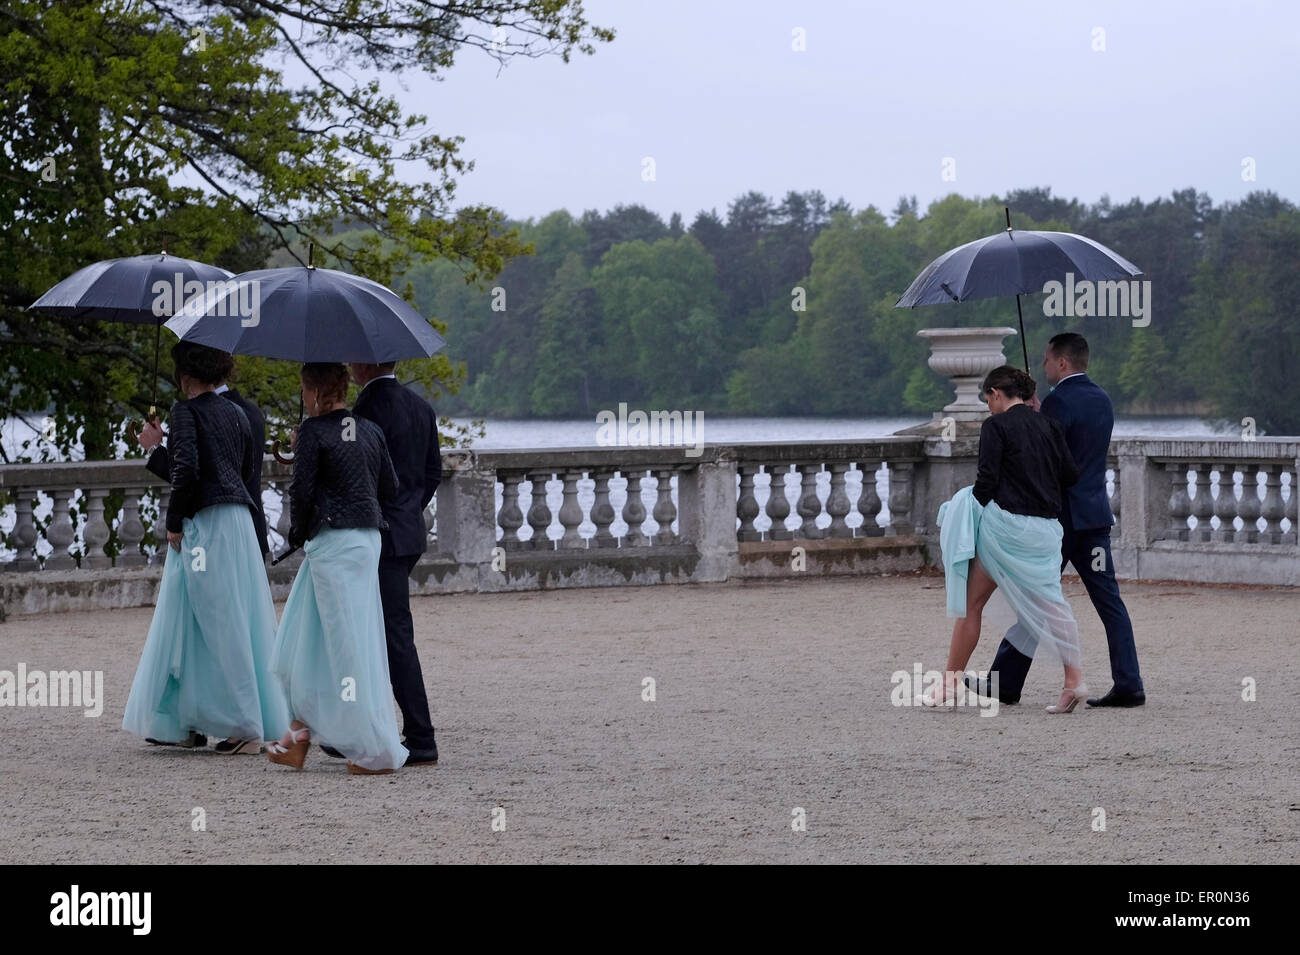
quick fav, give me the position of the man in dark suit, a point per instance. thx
(410, 427)
(159, 462)
(1085, 413)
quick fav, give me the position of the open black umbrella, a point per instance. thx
(304, 314)
(1014, 262)
(307, 314)
(139, 290)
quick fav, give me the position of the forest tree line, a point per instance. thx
(787, 308)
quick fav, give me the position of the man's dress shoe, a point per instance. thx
(422, 757)
(982, 688)
(1120, 699)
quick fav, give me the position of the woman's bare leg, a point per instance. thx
(966, 631)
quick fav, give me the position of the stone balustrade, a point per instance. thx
(1202, 510)
(1208, 510)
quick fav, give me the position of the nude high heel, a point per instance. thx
(1079, 692)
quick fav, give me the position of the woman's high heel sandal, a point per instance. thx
(294, 755)
(356, 770)
(1078, 693)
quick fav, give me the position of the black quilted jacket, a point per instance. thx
(341, 472)
(212, 456)
(160, 462)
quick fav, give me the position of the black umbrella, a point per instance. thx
(1014, 262)
(307, 314)
(304, 314)
(139, 290)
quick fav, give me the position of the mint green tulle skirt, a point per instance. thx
(206, 660)
(1022, 554)
(331, 651)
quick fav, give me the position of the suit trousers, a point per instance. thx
(403, 660)
(1085, 549)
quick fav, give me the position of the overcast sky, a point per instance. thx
(1013, 92)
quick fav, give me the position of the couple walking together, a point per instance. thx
(1039, 502)
(215, 662)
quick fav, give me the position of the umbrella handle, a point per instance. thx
(277, 560)
(133, 426)
(275, 452)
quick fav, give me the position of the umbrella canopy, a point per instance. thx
(1014, 262)
(307, 314)
(139, 290)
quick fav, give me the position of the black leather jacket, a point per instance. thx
(212, 456)
(160, 462)
(341, 472)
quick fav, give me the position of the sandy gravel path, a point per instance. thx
(768, 697)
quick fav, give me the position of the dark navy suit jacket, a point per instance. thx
(1085, 413)
(410, 427)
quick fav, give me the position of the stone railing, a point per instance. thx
(46, 534)
(587, 516)
(1208, 510)
(509, 520)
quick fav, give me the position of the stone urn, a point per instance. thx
(965, 355)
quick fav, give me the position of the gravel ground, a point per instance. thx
(769, 698)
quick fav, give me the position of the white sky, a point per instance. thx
(1012, 91)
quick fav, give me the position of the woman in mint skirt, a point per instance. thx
(331, 653)
(1004, 533)
(205, 666)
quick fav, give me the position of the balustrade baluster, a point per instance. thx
(1272, 510)
(1248, 508)
(747, 504)
(570, 511)
(96, 532)
(634, 510)
(1225, 505)
(778, 505)
(1291, 536)
(837, 503)
(60, 532)
(1180, 504)
(510, 517)
(1202, 503)
(665, 511)
(130, 529)
(809, 506)
(539, 511)
(900, 499)
(602, 512)
(869, 500)
(25, 533)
